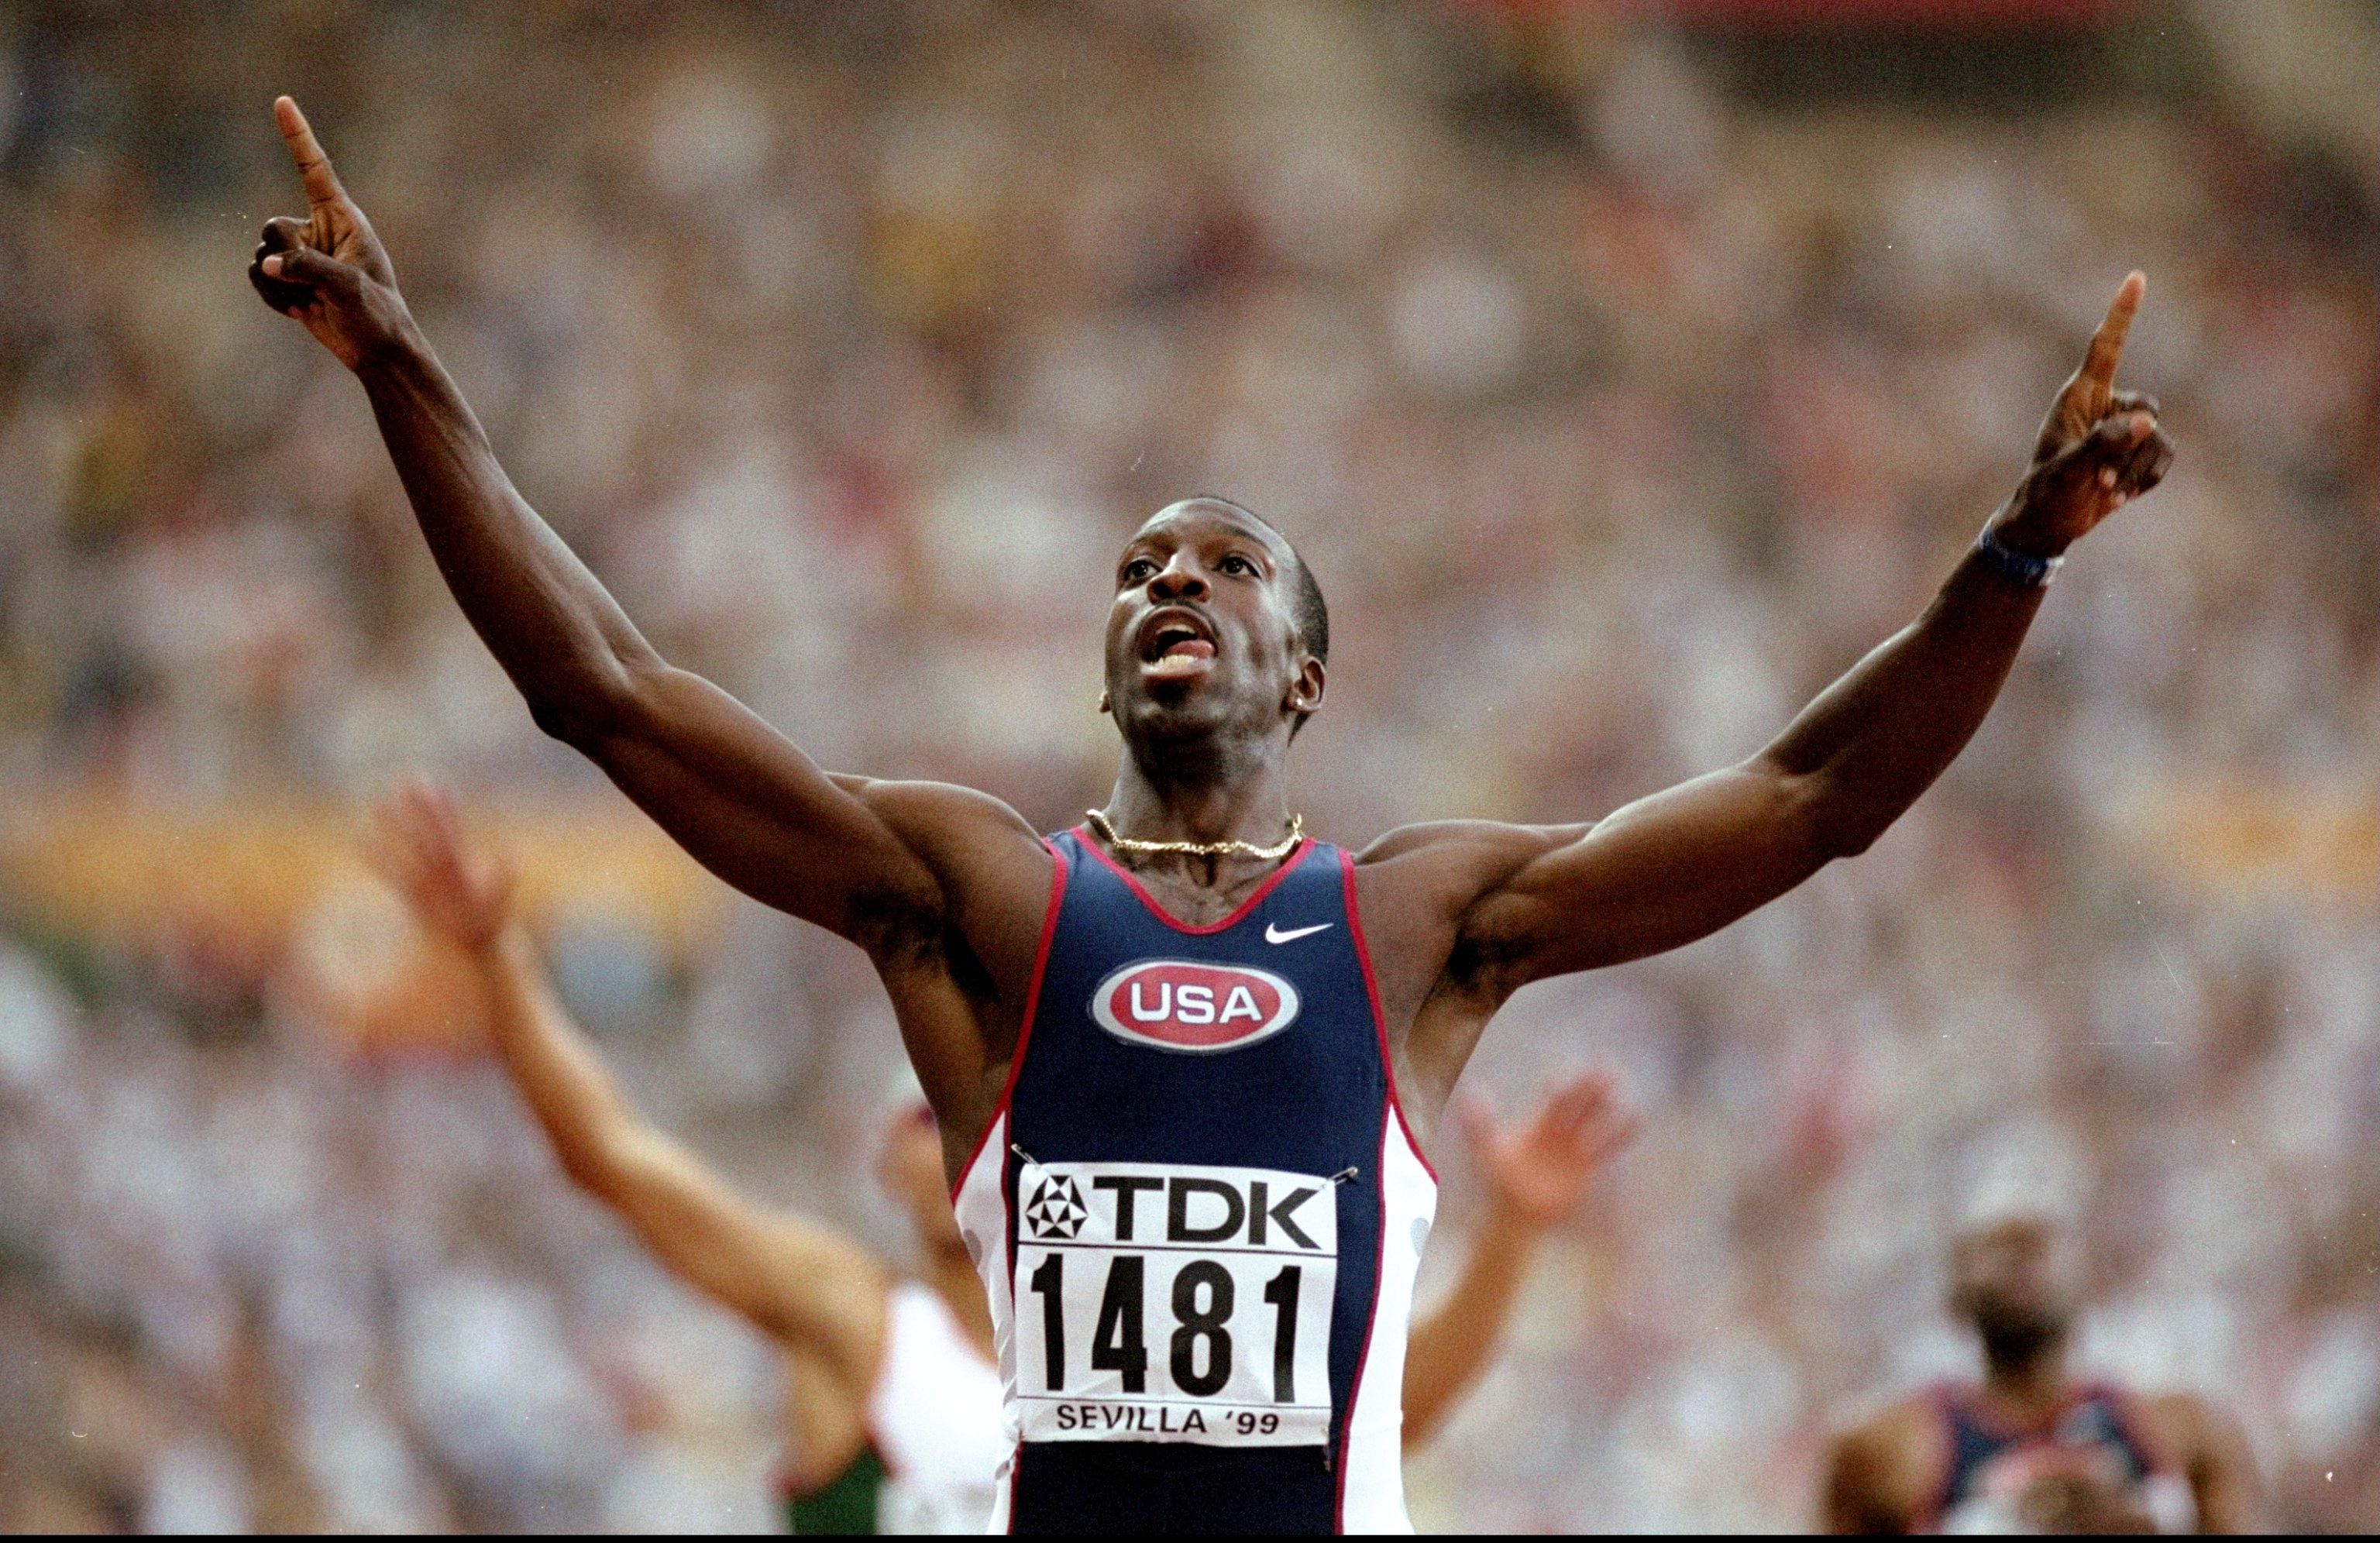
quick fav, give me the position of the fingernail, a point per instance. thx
(2107, 476)
(273, 266)
(2117, 501)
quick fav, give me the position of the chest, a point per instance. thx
(1161, 1038)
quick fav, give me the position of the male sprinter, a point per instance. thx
(896, 1407)
(1183, 1057)
(2031, 1449)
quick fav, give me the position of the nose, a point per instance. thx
(1181, 579)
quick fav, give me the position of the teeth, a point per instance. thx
(1178, 664)
(1170, 640)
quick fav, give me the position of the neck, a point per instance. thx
(2032, 1381)
(1250, 804)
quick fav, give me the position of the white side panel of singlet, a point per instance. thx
(982, 1210)
(935, 1415)
(1373, 1497)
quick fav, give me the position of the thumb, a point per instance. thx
(316, 271)
(2103, 452)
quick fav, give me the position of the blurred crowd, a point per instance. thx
(1617, 408)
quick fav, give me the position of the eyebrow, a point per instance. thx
(1254, 534)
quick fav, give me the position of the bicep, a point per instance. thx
(750, 806)
(1652, 876)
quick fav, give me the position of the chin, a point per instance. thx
(2014, 1334)
(1190, 714)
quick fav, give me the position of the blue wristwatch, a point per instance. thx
(2033, 572)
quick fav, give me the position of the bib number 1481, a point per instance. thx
(1175, 1303)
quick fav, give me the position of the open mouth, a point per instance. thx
(1176, 644)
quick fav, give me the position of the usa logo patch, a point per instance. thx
(1174, 1004)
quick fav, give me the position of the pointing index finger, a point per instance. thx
(2107, 343)
(313, 166)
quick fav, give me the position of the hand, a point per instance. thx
(1537, 1172)
(327, 269)
(2067, 1504)
(2099, 447)
(458, 892)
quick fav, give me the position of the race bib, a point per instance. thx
(1171, 1303)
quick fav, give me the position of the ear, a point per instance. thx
(1104, 706)
(1306, 686)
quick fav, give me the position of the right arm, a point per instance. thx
(809, 1287)
(1536, 1174)
(734, 792)
(800, 1283)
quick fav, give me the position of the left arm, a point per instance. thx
(1670, 869)
(1534, 1177)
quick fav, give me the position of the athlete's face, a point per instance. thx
(2019, 1282)
(909, 1166)
(1202, 635)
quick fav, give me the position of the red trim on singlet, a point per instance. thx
(1162, 914)
(1032, 1005)
(1379, 1016)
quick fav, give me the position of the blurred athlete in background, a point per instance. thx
(2031, 1447)
(1535, 1174)
(892, 1394)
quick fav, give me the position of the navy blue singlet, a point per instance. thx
(1198, 1213)
(1991, 1466)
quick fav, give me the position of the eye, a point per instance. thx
(1234, 563)
(1138, 570)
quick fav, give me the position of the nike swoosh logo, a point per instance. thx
(1273, 934)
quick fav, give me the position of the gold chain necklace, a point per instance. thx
(1202, 848)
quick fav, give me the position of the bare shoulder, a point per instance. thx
(1422, 887)
(1417, 885)
(2187, 1425)
(992, 867)
(944, 822)
(1908, 1421)
(1460, 857)
(1883, 1468)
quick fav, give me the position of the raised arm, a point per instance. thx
(817, 1292)
(1536, 1174)
(734, 792)
(1671, 868)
